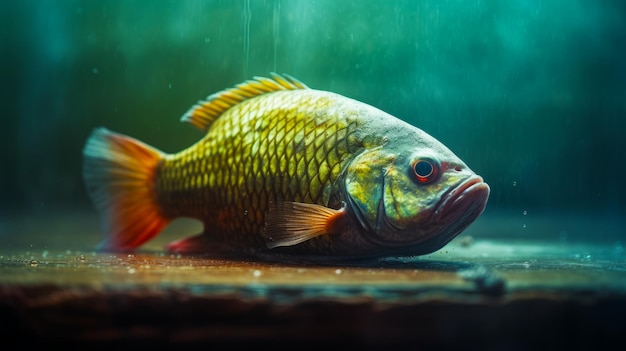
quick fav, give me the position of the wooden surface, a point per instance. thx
(508, 292)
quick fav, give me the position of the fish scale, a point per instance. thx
(257, 153)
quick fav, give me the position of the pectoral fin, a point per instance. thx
(291, 223)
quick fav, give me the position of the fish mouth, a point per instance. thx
(463, 204)
(456, 210)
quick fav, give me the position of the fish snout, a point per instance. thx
(463, 204)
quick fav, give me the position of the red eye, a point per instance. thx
(425, 170)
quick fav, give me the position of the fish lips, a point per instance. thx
(459, 207)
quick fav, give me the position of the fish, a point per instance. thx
(285, 170)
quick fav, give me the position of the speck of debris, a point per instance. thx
(466, 241)
(485, 280)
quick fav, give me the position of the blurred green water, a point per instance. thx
(531, 94)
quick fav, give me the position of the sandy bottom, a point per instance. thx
(509, 281)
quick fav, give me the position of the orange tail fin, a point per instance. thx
(120, 173)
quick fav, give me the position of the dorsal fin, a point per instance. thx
(205, 112)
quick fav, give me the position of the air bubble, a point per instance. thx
(33, 263)
(256, 273)
(338, 271)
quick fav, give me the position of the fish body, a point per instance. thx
(286, 170)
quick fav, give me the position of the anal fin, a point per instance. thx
(196, 244)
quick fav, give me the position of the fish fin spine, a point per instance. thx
(290, 223)
(205, 112)
(119, 173)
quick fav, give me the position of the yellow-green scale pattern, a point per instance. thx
(281, 146)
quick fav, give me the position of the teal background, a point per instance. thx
(531, 94)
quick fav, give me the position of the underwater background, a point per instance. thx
(530, 94)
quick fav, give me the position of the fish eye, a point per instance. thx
(425, 169)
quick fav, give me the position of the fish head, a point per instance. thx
(413, 194)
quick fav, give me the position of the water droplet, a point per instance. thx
(524, 225)
(169, 86)
(256, 273)
(81, 258)
(94, 70)
(33, 263)
(131, 255)
(132, 271)
(245, 212)
(526, 264)
(338, 271)
(514, 183)
(525, 212)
